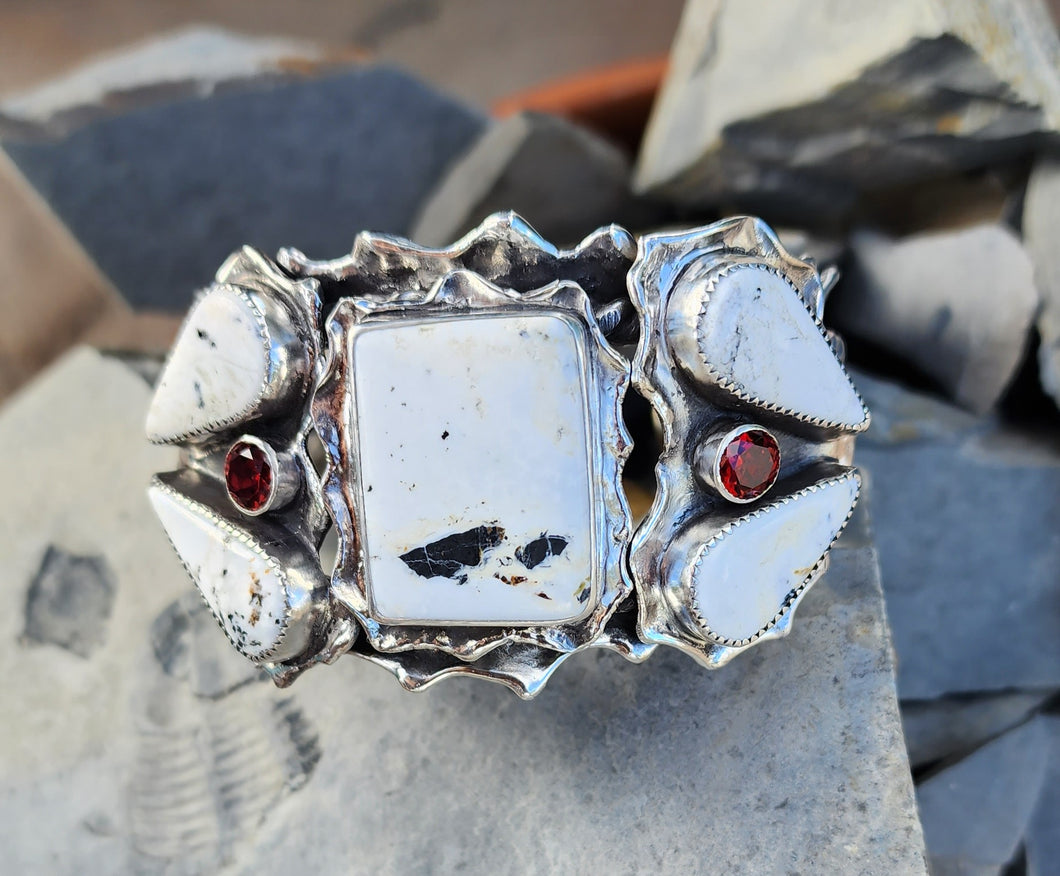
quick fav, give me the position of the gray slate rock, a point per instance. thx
(160, 194)
(957, 305)
(1041, 232)
(953, 726)
(965, 512)
(796, 108)
(189, 61)
(562, 178)
(1043, 835)
(975, 813)
(160, 753)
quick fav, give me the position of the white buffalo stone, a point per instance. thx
(475, 424)
(242, 585)
(756, 337)
(743, 577)
(217, 370)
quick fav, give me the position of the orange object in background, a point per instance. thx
(614, 101)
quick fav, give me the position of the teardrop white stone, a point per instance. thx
(244, 589)
(742, 578)
(217, 371)
(758, 338)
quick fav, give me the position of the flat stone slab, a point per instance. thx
(975, 813)
(162, 750)
(1042, 839)
(965, 515)
(951, 727)
(160, 191)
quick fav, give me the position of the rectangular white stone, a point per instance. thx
(475, 425)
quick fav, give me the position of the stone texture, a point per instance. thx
(956, 305)
(69, 601)
(965, 512)
(744, 576)
(755, 338)
(193, 60)
(1041, 227)
(975, 813)
(75, 466)
(161, 752)
(856, 98)
(1043, 834)
(953, 726)
(218, 370)
(563, 179)
(784, 761)
(333, 153)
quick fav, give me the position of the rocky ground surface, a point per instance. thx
(150, 745)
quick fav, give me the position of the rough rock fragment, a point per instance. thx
(956, 305)
(965, 513)
(564, 179)
(1041, 233)
(335, 150)
(950, 726)
(1043, 834)
(975, 812)
(795, 107)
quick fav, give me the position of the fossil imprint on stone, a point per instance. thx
(469, 405)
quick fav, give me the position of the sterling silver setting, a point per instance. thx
(469, 406)
(675, 285)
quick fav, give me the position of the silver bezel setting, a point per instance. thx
(708, 457)
(284, 483)
(686, 408)
(643, 585)
(335, 416)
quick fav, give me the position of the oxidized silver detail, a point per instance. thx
(335, 414)
(643, 591)
(669, 370)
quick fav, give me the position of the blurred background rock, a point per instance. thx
(915, 143)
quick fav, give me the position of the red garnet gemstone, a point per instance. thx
(248, 476)
(749, 464)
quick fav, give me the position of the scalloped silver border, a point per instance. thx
(607, 381)
(680, 500)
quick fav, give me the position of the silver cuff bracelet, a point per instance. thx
(455, 417)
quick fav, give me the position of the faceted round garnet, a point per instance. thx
(749, 464)
(248, 476)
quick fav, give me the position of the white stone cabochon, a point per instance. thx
(243, 589)
(756, 332)
(217, 369)
(743, 579)
(479, 421)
